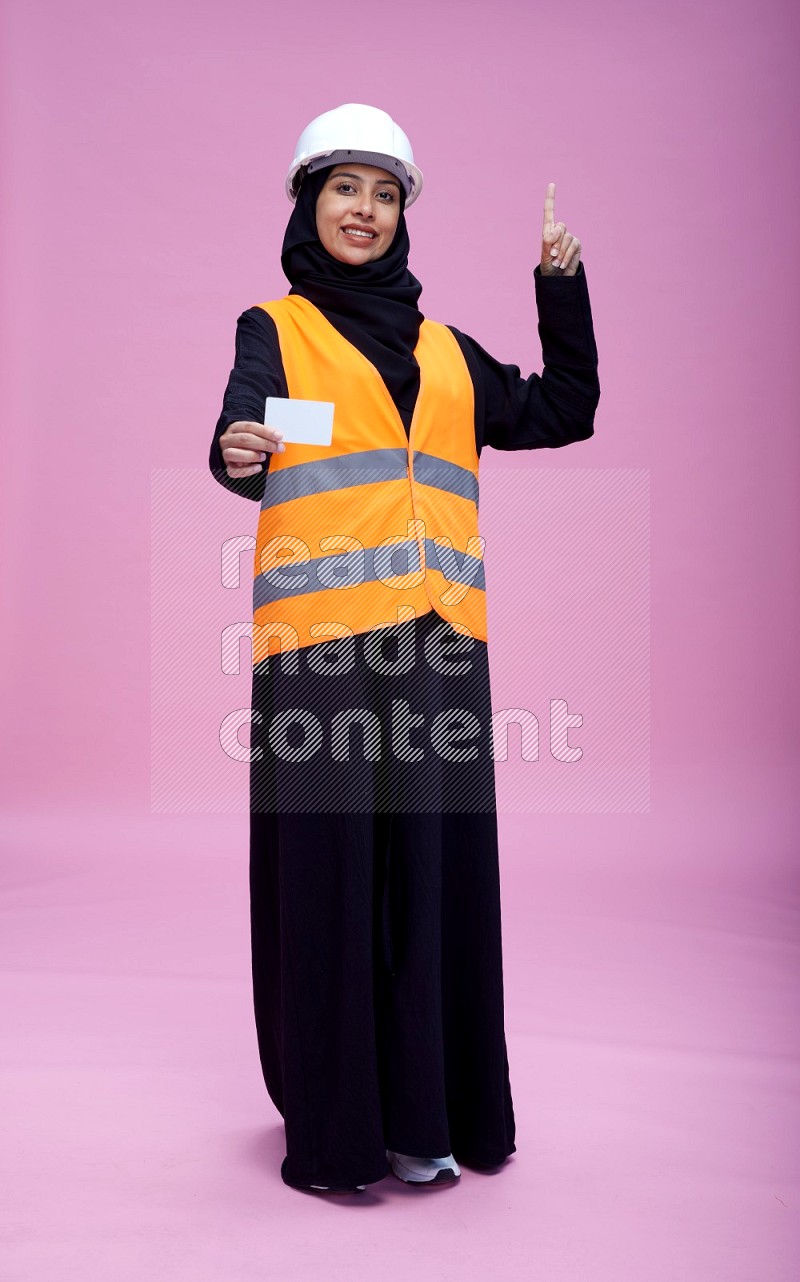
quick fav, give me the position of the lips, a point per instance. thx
(359, 233)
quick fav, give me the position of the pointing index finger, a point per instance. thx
(549, 207)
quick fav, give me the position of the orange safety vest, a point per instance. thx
(377, 527)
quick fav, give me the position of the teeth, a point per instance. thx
(349, 231)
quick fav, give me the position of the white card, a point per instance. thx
(302, 422)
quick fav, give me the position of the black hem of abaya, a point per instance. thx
(305, 1185)
(482, 1164)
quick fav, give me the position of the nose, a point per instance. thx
(364, 206)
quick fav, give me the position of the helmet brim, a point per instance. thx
(413, 173)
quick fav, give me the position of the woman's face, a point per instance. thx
(357, 212)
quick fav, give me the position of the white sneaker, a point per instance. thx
(423, 1170)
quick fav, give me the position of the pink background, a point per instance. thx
(650, 948)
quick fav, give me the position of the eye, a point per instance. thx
(341, 186)
(389, 194)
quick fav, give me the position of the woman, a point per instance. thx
(374, 876)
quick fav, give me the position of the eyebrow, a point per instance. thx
(384, 182)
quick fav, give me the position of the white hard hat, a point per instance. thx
(361, 134)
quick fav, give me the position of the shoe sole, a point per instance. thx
(323, 1188)
(444, 1176)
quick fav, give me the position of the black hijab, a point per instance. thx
(373, 305)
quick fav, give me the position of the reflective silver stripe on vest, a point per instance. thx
(350, 569)
(444, 475)
(340, 473)
(456, 566)
(366, 467)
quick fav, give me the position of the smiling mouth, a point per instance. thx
(358, 234)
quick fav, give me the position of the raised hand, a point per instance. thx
(561, 251)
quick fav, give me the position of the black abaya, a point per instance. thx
(376, 933)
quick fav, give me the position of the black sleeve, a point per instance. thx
(556, 407)
(257, 373)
